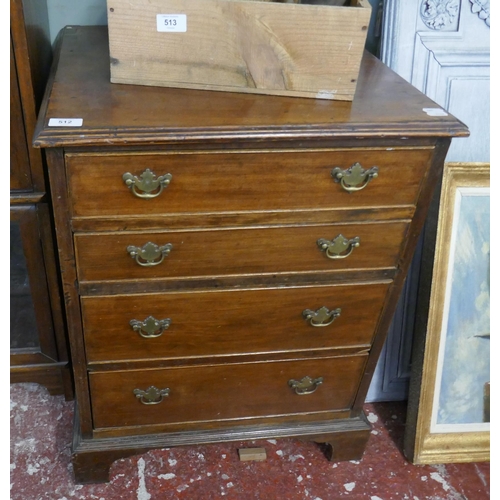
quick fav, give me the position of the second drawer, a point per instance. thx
(210, 253)
(183, 325)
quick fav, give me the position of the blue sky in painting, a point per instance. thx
(466, 364)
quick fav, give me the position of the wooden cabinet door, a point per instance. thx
(38, 351)
(20, 174)
(31, 330)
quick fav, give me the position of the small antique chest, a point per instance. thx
(230, 262)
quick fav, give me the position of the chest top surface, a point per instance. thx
(385, 105)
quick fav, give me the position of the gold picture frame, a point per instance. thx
(443, 424)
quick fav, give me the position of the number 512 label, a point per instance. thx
(171, 22)
(65, 122)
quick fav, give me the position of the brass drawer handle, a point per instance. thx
(354, 178)
(321, 317)
(338, 248)
(152, 395)
(150, 327)
(305, 386)
(147, 185)
(150, 254)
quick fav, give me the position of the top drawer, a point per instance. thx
(243, 181)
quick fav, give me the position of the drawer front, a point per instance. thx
(117, 256)
(182, 325)
(243, 181)
(212, 393)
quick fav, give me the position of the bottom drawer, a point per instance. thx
(222, 392)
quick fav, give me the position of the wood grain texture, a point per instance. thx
(232, 391)
(236, 282)
(243, 181)
(93, 457)
(385, 106)
(67, 269)
(229, 322)
(241, 251)
(344, 446)
(29, 27)
(56, 377)
(240, 46)
(225, 427)
(251, 218)
(20, 172)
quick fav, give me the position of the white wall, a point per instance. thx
(76, 12)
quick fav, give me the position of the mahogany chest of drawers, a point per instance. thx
(230, 262)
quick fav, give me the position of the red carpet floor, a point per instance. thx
(41, 432)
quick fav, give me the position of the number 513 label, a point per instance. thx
(171, 22)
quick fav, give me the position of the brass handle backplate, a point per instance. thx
(150, 254)
(150, 327)
(338, 248)
(354, 178)
(152, 395)
(306, 385)
(147, 185)
(321, 317)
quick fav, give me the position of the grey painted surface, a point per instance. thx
(450, 65)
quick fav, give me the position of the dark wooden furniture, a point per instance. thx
(39, 351)
(208, 239)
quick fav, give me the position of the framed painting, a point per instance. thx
(449, 412)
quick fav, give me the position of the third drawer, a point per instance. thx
(196, 324)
